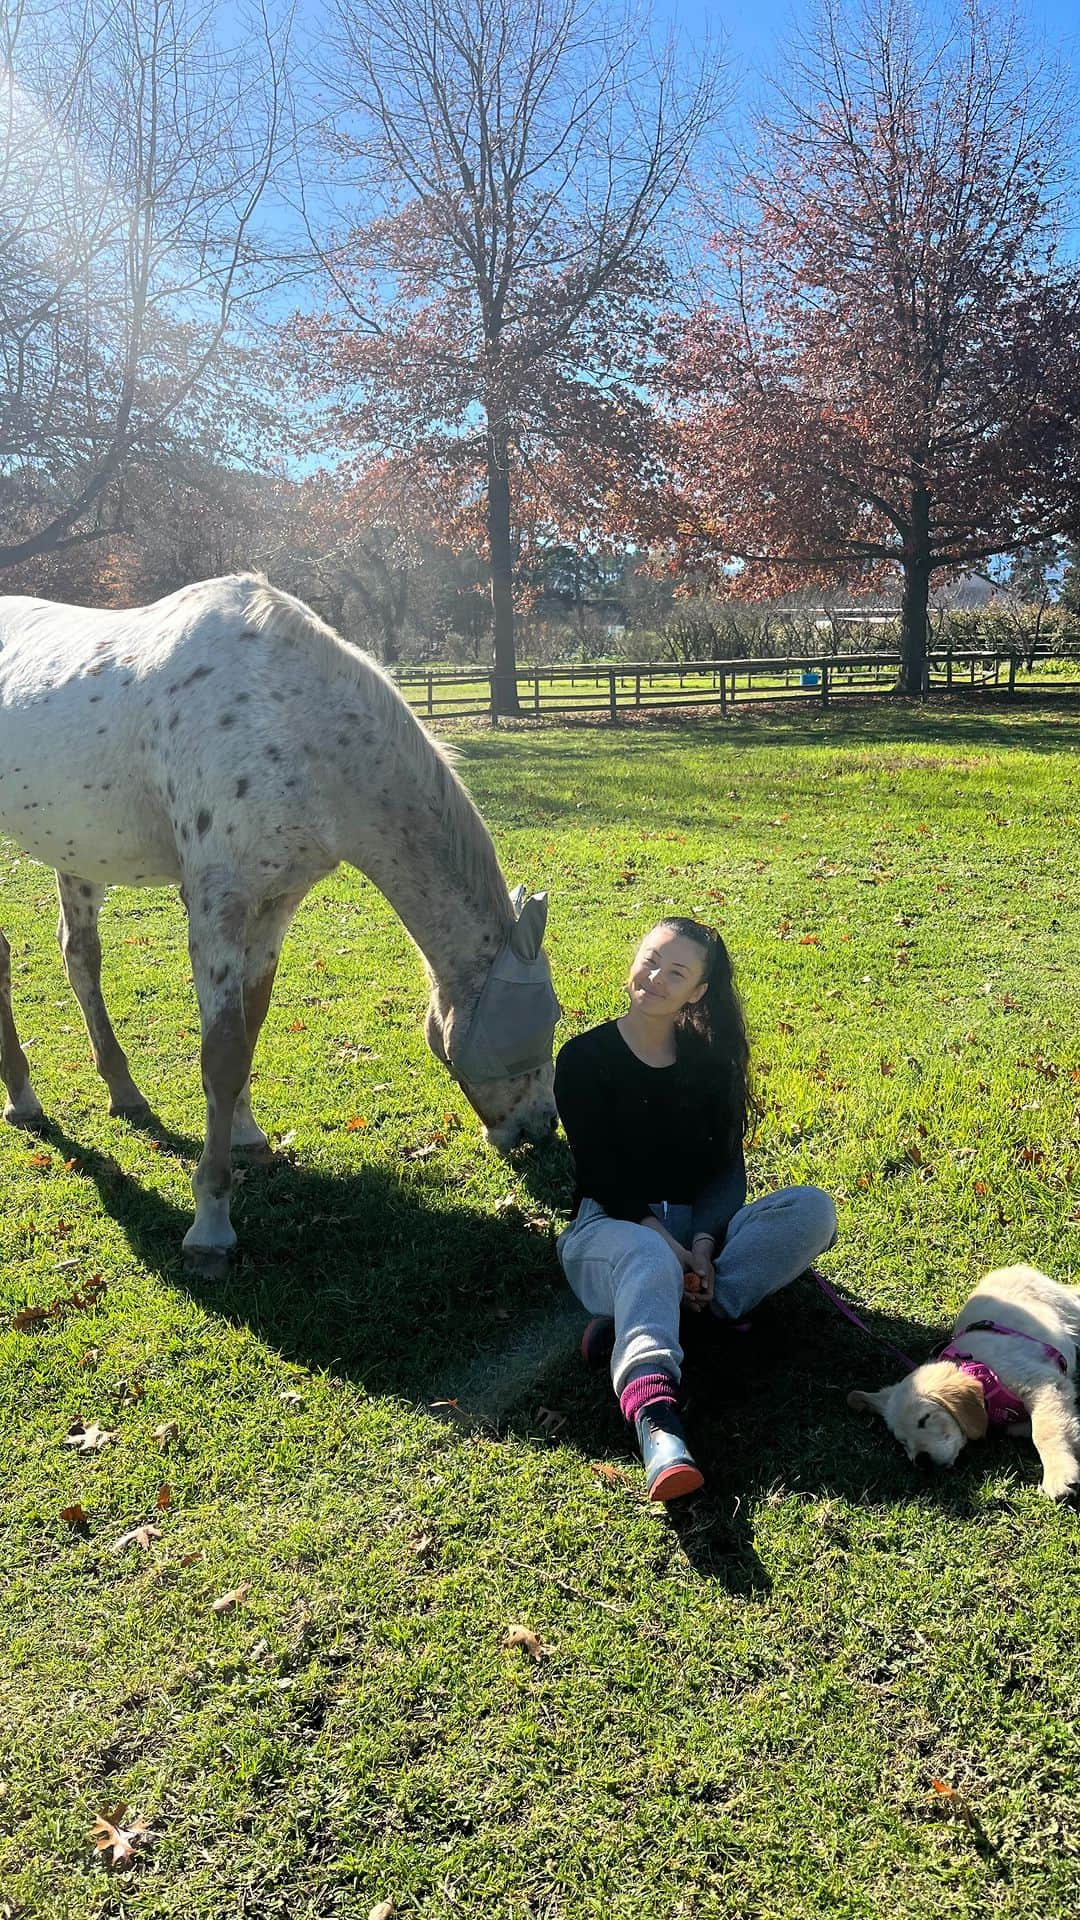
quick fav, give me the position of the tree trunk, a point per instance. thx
(502, 572)
(914, 673)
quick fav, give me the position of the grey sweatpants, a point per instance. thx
(626, 1271)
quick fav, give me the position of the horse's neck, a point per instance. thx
(459, 920)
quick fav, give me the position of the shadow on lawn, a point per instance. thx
(378, 1280)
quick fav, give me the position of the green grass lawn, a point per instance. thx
(740, 1710)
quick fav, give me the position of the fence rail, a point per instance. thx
(448, 693)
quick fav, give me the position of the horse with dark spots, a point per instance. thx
(225, 771)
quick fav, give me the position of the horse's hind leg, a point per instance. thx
(216, 939)
(77, 932)
(266, 931)
(22, 1106)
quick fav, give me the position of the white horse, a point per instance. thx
(228, 740)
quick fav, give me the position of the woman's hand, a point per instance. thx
(699, 1273)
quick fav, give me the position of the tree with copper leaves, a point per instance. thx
(888, 376)
(485, 345)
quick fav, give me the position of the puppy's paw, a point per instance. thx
(1059, 1481)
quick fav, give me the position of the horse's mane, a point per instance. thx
(426, 761)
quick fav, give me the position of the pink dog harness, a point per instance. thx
(1003, 1409)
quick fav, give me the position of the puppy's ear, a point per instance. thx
(870, 1402)
(962, 1396)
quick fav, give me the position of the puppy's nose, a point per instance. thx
(923, 1460)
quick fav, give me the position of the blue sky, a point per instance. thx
(754, 27)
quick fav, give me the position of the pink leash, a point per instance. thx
(849, 1313)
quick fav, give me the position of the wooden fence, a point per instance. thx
(447, 693)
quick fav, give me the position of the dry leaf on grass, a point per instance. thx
(525, 1637)
(88, 1439)
(143, 1537)
(111, 1836)
(549, 1421)
(603, 1469)
(951, 1801)
(75, 1516)
(383, 1911)
(63, 1303)
(31, 1317)
(228, 1601)
(164, 1497)
(167, 1431)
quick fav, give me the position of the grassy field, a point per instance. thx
(739, 1710)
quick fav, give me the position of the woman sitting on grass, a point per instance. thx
(655, 1107)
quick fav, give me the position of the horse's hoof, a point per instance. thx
(256, 1153)
(30, 1119)
(210, 1263)
(137, 1113)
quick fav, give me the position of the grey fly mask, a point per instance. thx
(513, 1024)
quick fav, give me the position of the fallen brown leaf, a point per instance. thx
(111, 1836)
(549, 1421)
(88, 1439)
(74, 1516)
(524, 1637)
(604, 1470)
(164, 1497)
(383, 1911)
(228, 1601)
(31, 1317)
(143, 1537)
(167, 1431)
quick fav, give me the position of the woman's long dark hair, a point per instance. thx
(714, 1029)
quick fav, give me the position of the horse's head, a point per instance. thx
(499, 1047)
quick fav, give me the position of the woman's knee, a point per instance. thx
(817, 1216)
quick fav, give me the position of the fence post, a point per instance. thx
(723, 692)
(824, 683)
(637, 689)
(536, 694)
(611, 693)
(430, 704)
(948, 667)
(1012, 673)
(494, 702)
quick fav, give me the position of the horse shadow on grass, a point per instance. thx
(382, 1279)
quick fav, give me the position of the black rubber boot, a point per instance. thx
(670, 1470)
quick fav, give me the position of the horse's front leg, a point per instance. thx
(216, 929)
(77, 932)
(22, 1106)
(266, 931)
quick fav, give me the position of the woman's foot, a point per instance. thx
(670, 1470)
(598, 1342)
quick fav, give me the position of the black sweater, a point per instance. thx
(641, 1134)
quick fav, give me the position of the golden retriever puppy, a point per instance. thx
(1010, 1365)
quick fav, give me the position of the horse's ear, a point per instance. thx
(528, 932)
(517, 900)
